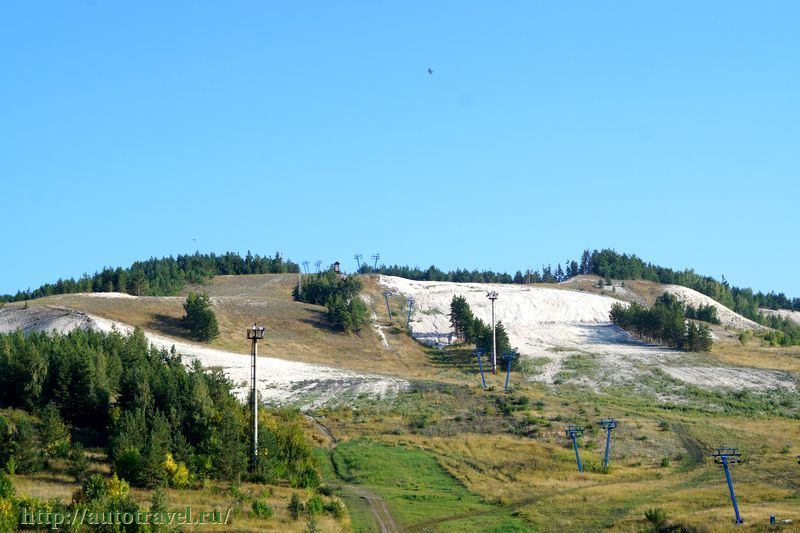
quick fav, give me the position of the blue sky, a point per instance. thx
(132, 129)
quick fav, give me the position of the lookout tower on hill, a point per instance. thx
(335, 267)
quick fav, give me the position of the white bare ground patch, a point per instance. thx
(551, 326)
(281, 382)
(34, 319)
(730, 378)
(726, 316)
(105, 294)
(374, 318)
(794, 316)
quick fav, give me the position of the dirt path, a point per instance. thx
(377, 505)
(693, 447)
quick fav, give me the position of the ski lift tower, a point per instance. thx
(375, 257)
(724, 457)
(492, 295)
(608, 424)
(254, 334)
(358, 257)
(573, 432)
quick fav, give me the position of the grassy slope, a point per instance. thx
(295, 330)
(517, 466)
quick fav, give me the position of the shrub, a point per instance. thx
(261, 509)
(129, 465)
(295, 506)
(335, 509)
(6, 487)
(177, 474)
(117, 489)
(77, 462)
(315, 505)
(94, 488)
(665, 462)
(8, 518)
(656, 516)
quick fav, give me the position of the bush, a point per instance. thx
(77, 462)
(94, 488)
(129, 466)
(177, 474)
(6, 487)
(665, 462)
(315, 506)
(656, 516)
(335, 509)
(8, 518)
(295, 506)
(261, 509)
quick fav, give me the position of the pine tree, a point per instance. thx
(461, 317)
(230, 457)
(54, 434)
(200, 318)
(27, 455)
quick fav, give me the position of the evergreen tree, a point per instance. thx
(200, 318)
(230, 459)
(27, 453)
(461, 318)
(54, 434)
(7, 444)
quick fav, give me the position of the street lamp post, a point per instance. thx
(492, 295)
(254, 334)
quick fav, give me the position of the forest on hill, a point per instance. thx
(162, 277)
(167, 276)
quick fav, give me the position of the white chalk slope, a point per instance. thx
(558, 324)
(794, 316)
(280, 382)
(726, 316)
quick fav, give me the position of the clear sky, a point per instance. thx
(138, 129)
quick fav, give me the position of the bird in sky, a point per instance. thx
(430, 71)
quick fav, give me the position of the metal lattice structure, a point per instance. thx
(305, 265)
(317, 264)
(608, 424)
(254, 334)
(573, 432)
(725, 457)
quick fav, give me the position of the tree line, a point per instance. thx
(162, 423)
(161, 277)
(664, 323)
